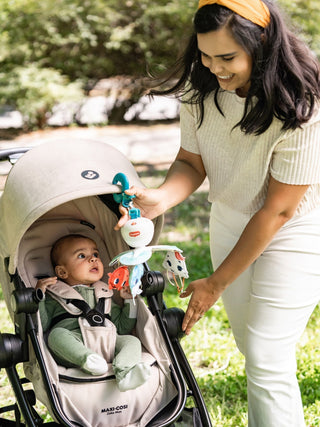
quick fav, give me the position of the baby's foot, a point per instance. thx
(135, 377)
(95, 365)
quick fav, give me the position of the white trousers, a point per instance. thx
(268, 307)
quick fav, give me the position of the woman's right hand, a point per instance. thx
(150, 202)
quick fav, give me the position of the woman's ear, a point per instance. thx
(61, 272)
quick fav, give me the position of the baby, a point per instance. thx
(77, 264)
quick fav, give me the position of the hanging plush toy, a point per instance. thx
(119, 278)
(135, 280)
(175, 264)
(138, 233)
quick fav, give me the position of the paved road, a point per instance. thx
(141, 144)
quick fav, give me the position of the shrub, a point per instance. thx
(34, 91)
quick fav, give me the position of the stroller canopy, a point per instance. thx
(50, 175)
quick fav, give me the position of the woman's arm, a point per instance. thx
(185, 175)
(280, 205)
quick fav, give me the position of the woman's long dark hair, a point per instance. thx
(285, 79)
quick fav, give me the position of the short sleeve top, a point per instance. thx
(238, 166)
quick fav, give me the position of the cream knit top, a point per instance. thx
(238, 166)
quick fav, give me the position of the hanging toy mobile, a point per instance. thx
(138, 233)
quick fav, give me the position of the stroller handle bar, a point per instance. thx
(12, 154)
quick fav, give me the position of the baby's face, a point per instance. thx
(80, 262)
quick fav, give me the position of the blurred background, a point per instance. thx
(85, 62)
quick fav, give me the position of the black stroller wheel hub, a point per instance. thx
(26, 300)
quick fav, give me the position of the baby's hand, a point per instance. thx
(43, 283)
(125, 293)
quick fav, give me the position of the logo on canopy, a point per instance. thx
(90, 174)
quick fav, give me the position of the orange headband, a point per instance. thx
(253, 10)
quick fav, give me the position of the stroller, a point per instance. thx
(65, 187)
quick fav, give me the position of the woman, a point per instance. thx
(250, 122)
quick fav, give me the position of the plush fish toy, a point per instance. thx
(119, 278)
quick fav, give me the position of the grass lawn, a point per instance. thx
(218, 366)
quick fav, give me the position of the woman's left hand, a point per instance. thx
(204, 293)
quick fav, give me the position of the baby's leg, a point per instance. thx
(69, 350)
(130, 372)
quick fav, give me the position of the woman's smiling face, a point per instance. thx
(226, 59)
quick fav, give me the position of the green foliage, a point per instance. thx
(92, 39)
(301, 11)
(84, 40)
(34, 91)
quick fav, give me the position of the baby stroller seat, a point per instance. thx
(81, 205)
(74, 388)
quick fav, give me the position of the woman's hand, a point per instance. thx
(44, 283)
(184, 176)
(280, 205)
(204, 293)
(150, 202)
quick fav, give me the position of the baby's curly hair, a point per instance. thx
(56, 250)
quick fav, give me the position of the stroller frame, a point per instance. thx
(14, 348)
